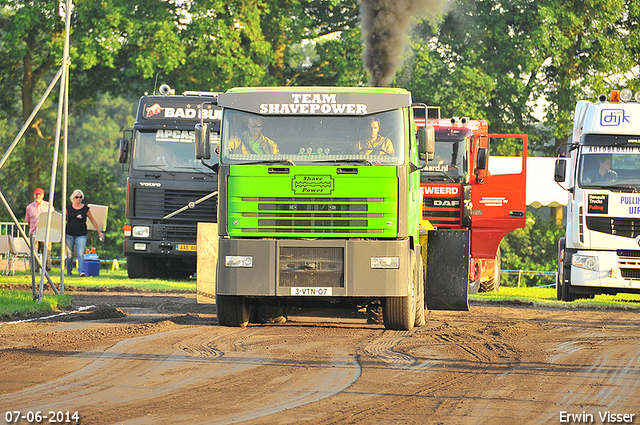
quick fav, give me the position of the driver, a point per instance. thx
(253, 141)
(604, 173)
(374, 144)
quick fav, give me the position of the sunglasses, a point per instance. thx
(256, 126)
(78, 197)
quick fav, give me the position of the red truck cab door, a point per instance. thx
(498, 196)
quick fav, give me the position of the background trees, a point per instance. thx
(520, 64)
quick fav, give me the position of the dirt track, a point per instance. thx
(160, 359)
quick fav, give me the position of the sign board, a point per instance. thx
(99, 213)
(207, 254)
(55, 231)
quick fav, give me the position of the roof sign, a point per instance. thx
(314, 103)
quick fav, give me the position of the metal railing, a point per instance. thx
(10, 228)
(520, 273)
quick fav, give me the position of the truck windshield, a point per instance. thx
(303, 139)
(610, 167)
(449, 161)
(167, 150)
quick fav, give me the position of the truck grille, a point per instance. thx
(317, 215)
(442, 212)
(629, 263)
(311, 267)
(157, 203)
(625, 227)
(186, 232)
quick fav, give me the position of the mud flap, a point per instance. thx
(447, 278)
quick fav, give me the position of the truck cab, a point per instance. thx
(168, 190)
(460, 194)
(319, 203)
(600, 168)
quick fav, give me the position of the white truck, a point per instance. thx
(600, 253)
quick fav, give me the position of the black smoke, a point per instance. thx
(385, 26)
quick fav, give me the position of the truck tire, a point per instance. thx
(566, 292)
(560, 274)
(420, 307)
(138, 268)
(399, 313)
(493, 284)
(233, 310)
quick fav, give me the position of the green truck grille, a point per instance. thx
(313, 215)
(312, 201)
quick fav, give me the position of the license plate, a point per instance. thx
(314, 292)
(185, 247)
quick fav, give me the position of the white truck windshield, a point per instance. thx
(610, 167)
(302, 139)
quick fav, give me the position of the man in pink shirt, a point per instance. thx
(39, 205)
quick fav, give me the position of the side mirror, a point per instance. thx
(482, 159)
(203, 145)
(123, 156)
(426, 142)
(561, 170)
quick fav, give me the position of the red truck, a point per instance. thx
(460, 194)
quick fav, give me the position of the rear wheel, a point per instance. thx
(493, 284)
(233, 310)
(399, 313)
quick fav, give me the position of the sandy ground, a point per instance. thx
(162, 359)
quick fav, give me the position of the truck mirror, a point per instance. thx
(203, 146)
(426, 142)
(482, 159)
(561, 151)
(123, 156)
(561, 169)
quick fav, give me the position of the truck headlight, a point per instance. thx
(139, 246)
(385, 262)
(140, 231)
(238, 261)
(584, 262)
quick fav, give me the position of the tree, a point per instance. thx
(141, 39)
(496, 59)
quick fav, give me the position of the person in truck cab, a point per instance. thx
(603, 173)
(375, 144)
(253, 141)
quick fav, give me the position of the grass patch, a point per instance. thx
(546, 297)
(107, 281)
(16, 293)
(16, 304)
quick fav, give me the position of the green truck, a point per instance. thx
(319, 202)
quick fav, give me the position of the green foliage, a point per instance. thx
(533, 247)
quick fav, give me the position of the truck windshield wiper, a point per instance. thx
(196, 169)
(157, 167)
(623, 187)
(272, 161)
(351, 161)
(443, 174)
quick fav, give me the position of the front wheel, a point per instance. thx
(233, 310)
(139, 267)
(399, 313)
